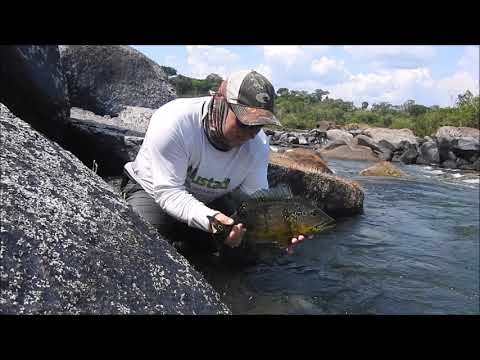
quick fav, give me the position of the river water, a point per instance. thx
(413, 250)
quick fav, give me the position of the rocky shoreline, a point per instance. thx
(451, 147)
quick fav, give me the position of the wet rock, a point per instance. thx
(382, 168)
(33, 87)
(428, 153)
(463, 141)
(451, 156)
(104, 79)
(461, 162)
(335, 195)
(449, 164)
(385, 154)
(70, 245)
(409, 156)
(475, 165)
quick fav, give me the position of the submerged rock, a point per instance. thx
(70, 245)
(382, 168)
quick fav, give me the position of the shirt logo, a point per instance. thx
(210, 183)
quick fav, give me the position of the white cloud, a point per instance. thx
(393, 56)
(465, 77)
(326, 65)
(265, 70)
(470, 63)
(289, 55)
(395, 86)
(283, 54)
(470, 59)
(204, 60)
(456, 84)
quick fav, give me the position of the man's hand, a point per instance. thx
(237, 232)
(295, 241)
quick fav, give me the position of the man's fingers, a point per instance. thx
(236, 235)
(224, 219)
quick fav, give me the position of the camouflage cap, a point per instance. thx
(251, 97)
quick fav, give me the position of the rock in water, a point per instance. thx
(70, 245)
(428, 153)
(104, 79)
(382, 168)
(337, 196)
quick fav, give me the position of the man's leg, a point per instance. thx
(183, 237)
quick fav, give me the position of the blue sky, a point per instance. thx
(430, 75)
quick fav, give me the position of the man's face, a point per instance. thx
(235, 132)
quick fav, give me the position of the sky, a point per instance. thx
(430, 75)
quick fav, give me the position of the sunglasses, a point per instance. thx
(242, 125)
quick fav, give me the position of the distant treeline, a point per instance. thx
(303, 110)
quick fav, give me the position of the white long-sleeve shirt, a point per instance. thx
(181, 169)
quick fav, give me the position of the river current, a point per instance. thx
(413, 250)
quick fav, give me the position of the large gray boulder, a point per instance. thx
(409, 156)
(99, 140)
(428, 153)
(70, 245)
(104, 79)
(33, 86)
(394, 137)
(337, 134)
(463, 141)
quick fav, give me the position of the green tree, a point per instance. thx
(319, 93)
(364, 105)
(282, 92)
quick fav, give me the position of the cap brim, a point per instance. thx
(254, 116)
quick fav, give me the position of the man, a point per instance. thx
(197, 150)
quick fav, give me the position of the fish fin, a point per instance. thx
(280, 192)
